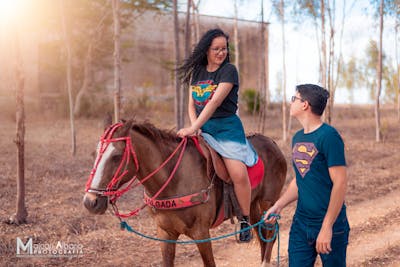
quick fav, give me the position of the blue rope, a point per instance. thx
(261, 225)
(270, 227)
(124, 225)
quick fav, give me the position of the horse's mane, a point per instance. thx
(153, 133)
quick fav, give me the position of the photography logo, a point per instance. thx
(60, 249)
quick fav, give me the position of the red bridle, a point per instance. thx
(112, 187)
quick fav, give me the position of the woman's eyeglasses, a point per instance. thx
(218, 50)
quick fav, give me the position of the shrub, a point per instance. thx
(252, 100)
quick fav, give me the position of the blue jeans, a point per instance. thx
(302, 241)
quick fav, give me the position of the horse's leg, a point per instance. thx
(167, 249)
(204, 248)
(257, 209)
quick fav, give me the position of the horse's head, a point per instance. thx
(115, 165)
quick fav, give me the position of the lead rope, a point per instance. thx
(261, 225)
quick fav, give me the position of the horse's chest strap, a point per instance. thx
(179, 202)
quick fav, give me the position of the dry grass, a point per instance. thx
(55, 185)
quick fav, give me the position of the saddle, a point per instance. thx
(229, 206)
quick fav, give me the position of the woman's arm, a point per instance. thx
(191, 108)
(220, 94)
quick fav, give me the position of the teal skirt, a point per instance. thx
(226, 135)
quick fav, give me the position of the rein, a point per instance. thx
(129, 153)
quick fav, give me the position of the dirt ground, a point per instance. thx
(55, 183)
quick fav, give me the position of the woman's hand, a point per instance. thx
(188, 131)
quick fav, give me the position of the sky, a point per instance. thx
(301, 48)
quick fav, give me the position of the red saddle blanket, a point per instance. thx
(256, 173)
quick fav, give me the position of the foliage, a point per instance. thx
(362, 73)
(391, 8)
(277, 8)
(350, 75)
(252, 100)
(390, 83)
(306, 8)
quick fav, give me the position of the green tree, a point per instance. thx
(381, 9)
(320, 12)
(351, 76)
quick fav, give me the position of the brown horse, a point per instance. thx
(148, 148)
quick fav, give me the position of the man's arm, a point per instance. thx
(290, 195)
(339, 179)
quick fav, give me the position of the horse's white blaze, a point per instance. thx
(100, 167)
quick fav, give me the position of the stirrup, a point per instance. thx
(244, 236)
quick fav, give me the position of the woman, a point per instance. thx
(214, 85)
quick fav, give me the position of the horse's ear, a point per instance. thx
(127, 124)
(107, 121)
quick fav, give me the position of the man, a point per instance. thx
(320, 223)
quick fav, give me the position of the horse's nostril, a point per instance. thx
(97, 205)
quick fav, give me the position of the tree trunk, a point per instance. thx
(284, 127)
(323, 45)
(397, 68)
(67, 42)
(188, 45)
(117, 61)
(266, 52)
(331, 64)
(21, 213)
(263, 106)
(323, 50)
(178, 95)
(236, 37)
(87, 81)
(379, 78)
(87, 68)
(196, 20)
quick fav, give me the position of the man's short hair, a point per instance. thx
(315, 95)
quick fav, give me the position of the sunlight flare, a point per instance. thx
(10, 10)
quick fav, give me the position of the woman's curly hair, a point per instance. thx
(199, 55)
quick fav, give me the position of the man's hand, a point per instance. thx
(275, 209)
(323, 244)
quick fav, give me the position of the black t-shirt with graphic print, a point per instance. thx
(205, 83)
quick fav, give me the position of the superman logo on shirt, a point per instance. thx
(303, 155)
(203, 91)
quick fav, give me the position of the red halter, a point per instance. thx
(105, 140)
(112, 187)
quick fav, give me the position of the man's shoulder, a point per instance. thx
(329, 130)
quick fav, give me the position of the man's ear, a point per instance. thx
(306, 105)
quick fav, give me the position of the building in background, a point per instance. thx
(147, 61)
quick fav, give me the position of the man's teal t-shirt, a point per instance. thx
(312, 154)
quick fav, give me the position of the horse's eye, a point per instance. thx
(116, 158)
